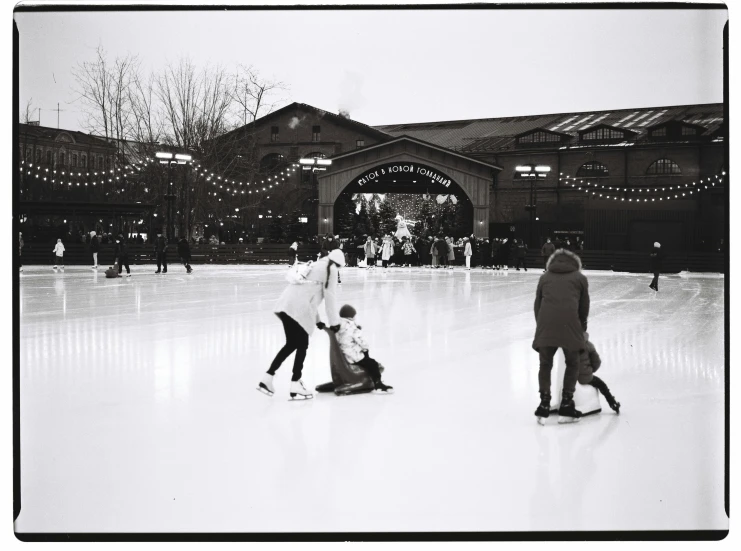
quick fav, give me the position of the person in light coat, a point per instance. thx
(467, 252)
(387, 251)
(58, 255)
(298, 310)
(370, 253)
(451, 252)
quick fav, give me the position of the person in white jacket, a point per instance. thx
(58, 255)
(468, 252)
(297, 308)
(387, 251)
(355, 348)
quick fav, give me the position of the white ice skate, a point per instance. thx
(266, 385)
(299, 392)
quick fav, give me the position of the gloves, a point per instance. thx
(335, 328)
(320, 325)
(584, 325)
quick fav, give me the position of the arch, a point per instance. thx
(593, 169)
(271, 162)
(663, 167)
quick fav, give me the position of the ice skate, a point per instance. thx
(382, 388)
(544, 408)
(568, 413)
(128, 275)
(266, 385)
(54, 268)
(600, 385)
(299, 392)
(158, 272)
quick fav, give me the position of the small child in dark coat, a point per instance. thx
(184, 254)
(589, 362)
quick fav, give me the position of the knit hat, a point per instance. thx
(347, 311)
(657, 245)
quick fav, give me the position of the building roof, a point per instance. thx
(497, 134)
(47, 133)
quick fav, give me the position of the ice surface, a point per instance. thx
(139, 410)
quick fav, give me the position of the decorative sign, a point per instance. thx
(402, 168)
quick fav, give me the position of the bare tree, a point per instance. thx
(252, 94)
(27, 115)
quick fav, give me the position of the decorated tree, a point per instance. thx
(344, 215)
(387, 214)
(374, 219)
(362, 222)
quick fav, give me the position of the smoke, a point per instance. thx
(351, 93)
(295, 121)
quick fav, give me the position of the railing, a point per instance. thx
(619, 261)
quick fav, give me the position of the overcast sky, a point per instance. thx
(402, 66)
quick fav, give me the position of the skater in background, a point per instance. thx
(20, 249)
(355, 348)
(485, 254)
(297, 309)
(58, 255)
(657, 259)
(589, 362)
(520, 253)
(547, 250)
(451, 252)
(495, 254)
(94, 248)
(160, 249)
(504, 248)
(370, 253)
(467, 252)
(408, 249)
(423, 251)
(434, 254)
(184, 254)
(292, 253)
(121, 253)
(387, 251)
(328, 245)
(561, 311)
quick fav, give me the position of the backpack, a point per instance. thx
(297, 273)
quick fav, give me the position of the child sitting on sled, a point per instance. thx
(355, 348)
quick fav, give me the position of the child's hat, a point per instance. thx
(347, 311)
(337, 257)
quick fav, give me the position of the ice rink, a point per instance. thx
(139, 411)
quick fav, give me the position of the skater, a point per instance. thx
(292, 253)
(20, 250)
(561, 312)
(520, 253)
(408, 249)
(434, 253)
(495, 246)
(355, 348)
(328, 245)
(451, 252)
(94, 248)
(589, 362)
(657, 258)
(485, 254)
(387, 251)
(297, 309)
(122, 256)
(58, 255)
(370, 253)
(467, 252)
(547, 250)
(184, 254)
(160, 249)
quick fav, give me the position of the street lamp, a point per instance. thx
(533, 172)
(171, 159)
(315, 164)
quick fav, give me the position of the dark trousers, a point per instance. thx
(296, 340)
(546, 365)
(443, 258)
(655, 281)
(123, 261)
(162, 261)
(385, 263)
(371, 367)
(519, 261)
(186, 262)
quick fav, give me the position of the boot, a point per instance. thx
(266, 385)
(544, 408)
(600, 385)
(381, 388)
(568, 413)
(299, 392)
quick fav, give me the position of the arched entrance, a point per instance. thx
(407, 165)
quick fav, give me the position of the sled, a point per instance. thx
(586, 397)
(347, 378)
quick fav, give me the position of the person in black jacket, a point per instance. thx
(94, 248)
(485, 254)
(657, 258)
(122, 256)
(160, 249)
(184, 254)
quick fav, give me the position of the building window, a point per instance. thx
(273, 133)
(316, 133)
(592, 169)
(603, 134)
(48, 157)
(100, 162)
(539, 137)
(29, 153)
(74, 160)
(83, 161)
(359, 143)
(689, 131)
(38, 155)
(659, 132)
(107, 163)
(663, 166)
(60, 159)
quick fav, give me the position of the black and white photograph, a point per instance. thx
(370, 272)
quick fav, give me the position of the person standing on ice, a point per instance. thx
(94, 248)
(451, 252)
(122, 256)
(561, 311)
(657, 259)
(370, 253)
(467, 252)
(160, 249)
(387, 251)
(58, 255)
(547, 250)
(292, 253)
(297, 309)
(184, 254)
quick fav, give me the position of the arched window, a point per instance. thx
(38, 155)
(83, 161)
(663, 166)
(48, 157)
(100, 162)
(60, 159)
(592, 169)
(29, 152)
(74, 160)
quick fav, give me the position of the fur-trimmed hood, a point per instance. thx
(563, 261)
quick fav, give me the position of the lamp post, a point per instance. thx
(315, 164)
(171, 159)
(533, 173)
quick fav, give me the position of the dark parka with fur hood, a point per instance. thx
(562, 303)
